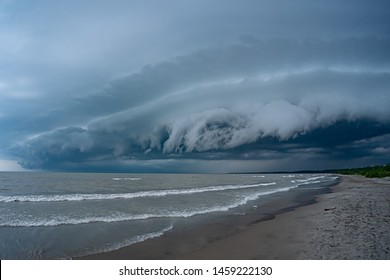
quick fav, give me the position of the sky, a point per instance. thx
(194, 85)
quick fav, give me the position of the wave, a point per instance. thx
(310, 179)
(309, 182)
(126, 178)
(155, 193)
(315, 180)
(131, 241)
(122, 217)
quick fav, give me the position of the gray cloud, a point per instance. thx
(251, 62)
(221, 103)
(170, 87)
(242, 61)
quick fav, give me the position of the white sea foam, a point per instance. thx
(130, 241)
(309, 182)
(122, 217)
(315, 180)
(310, 179)
(126, 178)
(155, 193)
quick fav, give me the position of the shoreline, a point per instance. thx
(340, 222)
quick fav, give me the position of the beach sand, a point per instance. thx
(351, 222)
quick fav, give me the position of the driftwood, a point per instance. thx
(329, 209)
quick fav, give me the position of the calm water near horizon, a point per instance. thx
(62, 215)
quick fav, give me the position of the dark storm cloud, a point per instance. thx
(250, 59)
(252, 100)
(194, 85)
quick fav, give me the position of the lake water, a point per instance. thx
(62, 215)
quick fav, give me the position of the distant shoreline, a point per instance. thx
(379, 171)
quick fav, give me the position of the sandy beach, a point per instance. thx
(350, 222)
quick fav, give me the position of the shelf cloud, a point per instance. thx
(250, 103)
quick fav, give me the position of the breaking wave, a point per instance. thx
(121, 217)
(95, 196)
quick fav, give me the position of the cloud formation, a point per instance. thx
(200, 87)
(212, 103)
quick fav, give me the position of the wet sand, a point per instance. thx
(351, 222)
